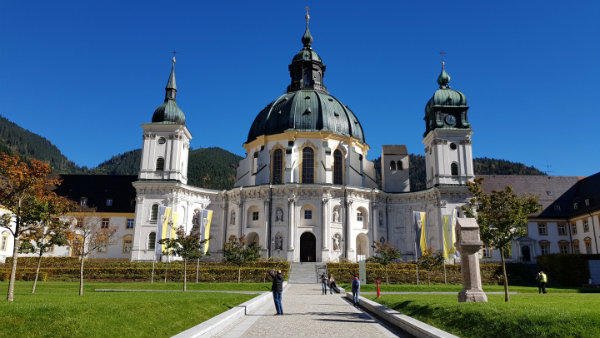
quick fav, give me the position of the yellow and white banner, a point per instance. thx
(205, 220)
(421, 232)
(449, 234)
(166, 227)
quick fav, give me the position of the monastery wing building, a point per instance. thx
(305, 190)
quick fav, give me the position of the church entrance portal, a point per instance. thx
(308, 247)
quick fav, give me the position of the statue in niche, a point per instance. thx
(336, 242)
(336, 215)
(380, 218)
(278, 241)
(233, 217)
(196, 223)
(279, 215)
(382, 240)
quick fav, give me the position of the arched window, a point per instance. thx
(576, 249)
(588, 245)
(454, 169)
(277, 165)
(393, 166)
(400, 166)
(154, 213)
(160, 164)
(308, 165)
(338, 170)
(152, 241)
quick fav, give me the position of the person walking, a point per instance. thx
(332, 285)
(277, 289)
(355, 290)
(542, 279)
(324, 280)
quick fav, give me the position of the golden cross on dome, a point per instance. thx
(307, 16)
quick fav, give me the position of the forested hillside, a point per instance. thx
(16, 140)
(212, 168)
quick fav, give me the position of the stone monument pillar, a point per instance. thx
(468, 244)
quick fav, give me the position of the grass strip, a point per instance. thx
(458, 287)
(526, 315)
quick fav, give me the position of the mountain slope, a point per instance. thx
(17, 140)
(212, 168)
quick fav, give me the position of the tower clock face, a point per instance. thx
(450, 119)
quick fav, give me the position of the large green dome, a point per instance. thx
(306, 110)
(306, 106)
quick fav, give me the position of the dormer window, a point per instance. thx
(109, 202)
(83, 201)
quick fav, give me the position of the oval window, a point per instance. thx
(162, 140)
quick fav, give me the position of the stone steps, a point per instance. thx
(305, 272)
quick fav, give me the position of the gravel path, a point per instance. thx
(307, 314)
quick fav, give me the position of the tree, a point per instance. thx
(385, 254)
(185, 246)
(429, 261)
(89, 235)
(502, 217)
(23, 184)
(52, 230)
(238, 252)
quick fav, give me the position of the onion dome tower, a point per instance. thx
(305, 115)
(447, 137)
(166, 140)
(307, 106)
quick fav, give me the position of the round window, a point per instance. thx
(453, 146)
(162, 140)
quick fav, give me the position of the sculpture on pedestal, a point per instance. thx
(468, 244)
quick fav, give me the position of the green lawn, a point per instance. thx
(527, 315)
(56, 310)
(458, 287)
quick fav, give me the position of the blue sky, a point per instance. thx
(86, 75)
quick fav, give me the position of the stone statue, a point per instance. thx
(279, 215)
(336, 242)
(278, 241)
(336, 215)
(380, 218)
(233, 217)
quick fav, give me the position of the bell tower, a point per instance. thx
(447, 138)
(166, 140)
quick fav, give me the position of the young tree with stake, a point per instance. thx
(238, 252)
(188, 247)
(385, 254)
(502, 217)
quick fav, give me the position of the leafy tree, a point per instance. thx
(385, 254)
(238, 252)
(502, 217)
(51, 232)
(22, 186)
(185, 246)
(430, 261)
(88, 236)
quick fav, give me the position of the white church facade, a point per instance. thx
(305, 190)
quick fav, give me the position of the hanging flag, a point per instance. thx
(447, 236)
(453, 232)
(164, 216)
(421, 238)
(206, 218)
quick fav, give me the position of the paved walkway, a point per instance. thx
(307, 314)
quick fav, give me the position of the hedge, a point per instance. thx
(567, 269)
(406, 273)
(67, 269)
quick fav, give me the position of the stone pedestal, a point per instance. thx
(468, 244)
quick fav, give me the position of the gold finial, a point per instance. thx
(443, 54)
(174, 52)
(307, 16)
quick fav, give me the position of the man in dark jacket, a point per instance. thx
(277, 289)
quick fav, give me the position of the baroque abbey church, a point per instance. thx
(305, 190)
